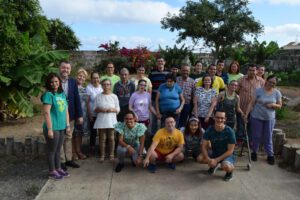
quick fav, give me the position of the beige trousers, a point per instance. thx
(66, 149)
(107, 133)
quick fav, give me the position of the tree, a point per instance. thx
(220, 23)
(62, 36)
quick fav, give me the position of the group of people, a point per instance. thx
(166, 115)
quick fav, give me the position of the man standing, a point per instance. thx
(187, 85)
(124, 89)
(220, 71)
(157, 77)
(247, 87)
(222, 140)
(218, 82)
(110, 69)
(75, 112)
(167, 146)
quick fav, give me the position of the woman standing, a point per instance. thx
(234, 71)
(93, 89)
(56, 124)
(80, 130)
(229, 101)
(140, 103)
(261, 71)
(169, 100)
(107, 107)
(262, 117)
(140, 75)
(204, 101)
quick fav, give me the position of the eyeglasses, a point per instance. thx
(142, 85)
(106, 84)
(129, 118)
(271, 82)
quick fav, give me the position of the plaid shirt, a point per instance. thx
(188, 88)
(247, 89)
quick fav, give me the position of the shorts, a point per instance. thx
(160, 156)
(230, 160)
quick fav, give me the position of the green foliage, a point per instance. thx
(176, 56)
(220, 23)
(62, 36)
(289, 78)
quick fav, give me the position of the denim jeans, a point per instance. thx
(185, 113)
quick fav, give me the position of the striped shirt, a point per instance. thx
(188, 88)
(157, 78)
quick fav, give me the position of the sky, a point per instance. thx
(137, 22)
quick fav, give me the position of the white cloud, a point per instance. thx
(288, 2)
(114, 11)
(283, 34)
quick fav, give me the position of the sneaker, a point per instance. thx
(253, 156)
(63, 173)
(119, 167)
(55, 176)
(213, 170)
(172, 166)
(63, 166)
(152, 168)
(271, 160)
(228, 176)
(72, 164)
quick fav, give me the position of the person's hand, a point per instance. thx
(146, 162)
(80, 120)
(50, 134)
(212, 162)
(206, 120)
(270, 105)
(178, 111)
(131, 150)
(169, 158)
(68, 131)
(245, 118)
(139, 160)
(158, 115)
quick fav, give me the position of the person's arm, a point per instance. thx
(68, 128)
(150, 151)
(78, 109)
(46, 109)
(158, 114)
(195, 106)
(249, 108)
(229, 152)
(140, 151)
(211, 109)
(178, 110)
(204, 147)
(170, 156)
(89, 110)
(238, 106)
(276, 105)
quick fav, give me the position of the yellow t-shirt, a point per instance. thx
(168, 142)
(217, 84)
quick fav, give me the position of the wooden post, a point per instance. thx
(279, 141)
(18, 148)
(28, 146)
(9, 145)
(297, 160)
(41, 147)
(2, 147)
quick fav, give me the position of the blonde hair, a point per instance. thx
(81, 70)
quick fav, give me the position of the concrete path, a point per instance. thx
(188, 182)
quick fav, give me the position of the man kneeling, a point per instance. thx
(131, 140)
(167, 146)
(222, 139)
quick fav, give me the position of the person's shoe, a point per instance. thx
(152, 168)
(55, 176)
(271, 160)
(72, 164)
(228, 176)
(81, 156)
(213, 170)
(253, 156)
(119, 167)
(63, 173)
(63, 166)
(172, 166)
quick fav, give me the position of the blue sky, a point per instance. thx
(137, 22)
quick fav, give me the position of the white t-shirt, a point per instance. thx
(105, 101)
(92, 92)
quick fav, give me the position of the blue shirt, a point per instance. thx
(260, 111)
(169, 99)
(219, 140)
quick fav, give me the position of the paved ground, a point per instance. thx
(188, 182)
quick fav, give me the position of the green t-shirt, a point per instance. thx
(58, 111)
(114, 79)
(235, 77)
(131, 136)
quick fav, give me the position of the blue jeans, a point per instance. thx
(121, 153)
(185, 113)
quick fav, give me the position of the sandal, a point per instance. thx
(81, 156)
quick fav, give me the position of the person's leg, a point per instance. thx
(111, 141)
(267, 138)
(78, 147)
(152, 162)
(60, 135)
(50, 151)
(68, 144)
(153, 122)
(102, 142)
(240, 126)
(93, 135)
(178, 157)
(257, 131)
(184, 115)
(121, 153)
(228, 166)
